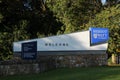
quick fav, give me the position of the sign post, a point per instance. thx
(29, 50)
(98, 36)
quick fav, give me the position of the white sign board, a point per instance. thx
(67, 42)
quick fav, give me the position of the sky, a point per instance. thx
(103, 2)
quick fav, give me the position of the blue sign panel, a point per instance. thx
(29, 50)
(98, 35)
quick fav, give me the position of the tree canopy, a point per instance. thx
(109, 18)
(74, 13)
(18, 22)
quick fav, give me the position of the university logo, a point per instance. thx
(98, 35)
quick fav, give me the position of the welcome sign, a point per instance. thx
(98, 35)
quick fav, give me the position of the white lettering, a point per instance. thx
(99, 31)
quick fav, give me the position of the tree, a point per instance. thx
(73, 13)
(7, 39)
(109, 18)
(20, 20)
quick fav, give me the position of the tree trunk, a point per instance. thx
(114, 59)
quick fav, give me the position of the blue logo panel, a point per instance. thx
(98, 35)
(29, 50)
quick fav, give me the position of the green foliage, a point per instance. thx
(7, 39)
(109, 18)
(19, 31)
(19, 23)
(1, 17)
(73, 13)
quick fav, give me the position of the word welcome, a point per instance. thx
(56, 44)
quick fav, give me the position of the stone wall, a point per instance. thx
(83, 60)
(45, 63)
(21, 69)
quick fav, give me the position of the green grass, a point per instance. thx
(91, 73)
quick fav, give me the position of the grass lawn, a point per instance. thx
(90, 73)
